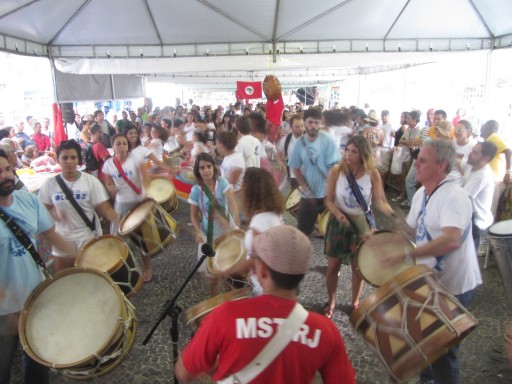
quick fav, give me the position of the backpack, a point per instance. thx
(90, 162)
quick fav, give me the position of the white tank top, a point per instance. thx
(345, 198)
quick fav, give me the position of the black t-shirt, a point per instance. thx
(398, 136)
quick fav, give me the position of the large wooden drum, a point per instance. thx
(411, 321)
(79, 323)
(150, 227)
(111, 254)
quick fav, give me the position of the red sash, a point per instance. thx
(136, 189)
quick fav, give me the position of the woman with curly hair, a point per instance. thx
(351, 223)
(263, 206)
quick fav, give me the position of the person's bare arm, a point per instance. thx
(507, 152)
(195, 220)
(450, 240)
(110, 186)
(56, 240)
(378, 195)
(181, 372)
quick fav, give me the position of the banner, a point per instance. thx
(248, 90)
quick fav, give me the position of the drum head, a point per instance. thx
(105, 254)
(501, 229)
(229, 249)
(161, 190)
(69, 319)
(293, 200)
(370, 252)
(136, 216)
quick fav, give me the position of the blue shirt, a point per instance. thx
(198, 198)
(19, 274)
(315, 159)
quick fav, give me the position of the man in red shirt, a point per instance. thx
(42, 141)
(235, 333)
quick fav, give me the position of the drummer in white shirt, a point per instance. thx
(479, 185)
(248, 145)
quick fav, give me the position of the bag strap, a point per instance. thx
(120, 169)
(78, 208)
(22, 237)
(356, 190)
(285, 333)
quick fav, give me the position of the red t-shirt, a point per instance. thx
(42, 142)
(236, 332)
(101, 154)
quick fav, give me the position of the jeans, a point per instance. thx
(410, 183)
(308, 211)
(33, 373)
(446, 369)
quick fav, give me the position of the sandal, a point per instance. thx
(328, 310)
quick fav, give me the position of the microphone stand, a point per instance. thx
(173, 311)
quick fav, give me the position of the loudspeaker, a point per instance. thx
(68, 114)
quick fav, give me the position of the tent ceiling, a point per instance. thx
(130, 36)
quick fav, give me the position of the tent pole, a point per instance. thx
(487, 88)
(113, 88)
(54, 80)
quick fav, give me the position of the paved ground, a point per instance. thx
(482, 353)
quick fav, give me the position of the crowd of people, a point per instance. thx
(342, 161)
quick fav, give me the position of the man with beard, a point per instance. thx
(19, 273)
(313, 156)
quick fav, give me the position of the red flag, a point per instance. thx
(59, 134)
(248, 90)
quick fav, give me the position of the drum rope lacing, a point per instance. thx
(403, 333)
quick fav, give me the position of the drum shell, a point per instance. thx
(500, 237)
(120, 270)
(430, 330)
(293, 201)
(153, 230)
(232, 256)
(89, 365)
(322, 220)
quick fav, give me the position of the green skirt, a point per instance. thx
(341, 240)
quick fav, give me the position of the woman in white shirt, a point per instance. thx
(126, 194)
(348, 224)
(263, 205)
(190, 126)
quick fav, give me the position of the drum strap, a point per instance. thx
(23, 238)
(72, 201)
(421, 221)
(120, 169)
(360, 199)
(212, 205)
(285, 333)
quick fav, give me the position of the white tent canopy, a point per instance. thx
(225, 40)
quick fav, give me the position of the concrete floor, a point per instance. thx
(481, 355)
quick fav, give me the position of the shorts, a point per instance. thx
(386, 158)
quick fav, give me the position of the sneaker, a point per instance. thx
(397, 199)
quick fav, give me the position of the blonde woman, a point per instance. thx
(349, 224)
